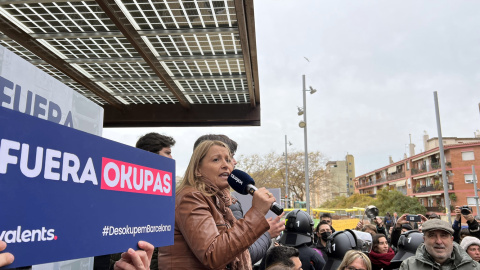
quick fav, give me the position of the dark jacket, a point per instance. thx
(422, 260)
(203, 236)
(323, 249)
(310, 259)
(457, 227)
(474, 228)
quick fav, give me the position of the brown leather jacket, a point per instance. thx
(203, 238)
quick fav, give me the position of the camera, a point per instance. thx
(414, 218)
(371, 211)
(465, 210)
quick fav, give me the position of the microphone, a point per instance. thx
(244, 184)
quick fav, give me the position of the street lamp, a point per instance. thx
(287, 197)
(303, 124)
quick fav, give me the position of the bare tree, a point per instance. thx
(269, 171)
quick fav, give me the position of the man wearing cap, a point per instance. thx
(438, 250)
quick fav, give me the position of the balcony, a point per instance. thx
(436, 187)
(435, 209)
(435, 166)
(432, 167)
(370, 183)
(395, 176)
(381, 180)
(422, 189)
(420, 170)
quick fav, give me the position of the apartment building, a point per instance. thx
(420, 175)
(339, 176)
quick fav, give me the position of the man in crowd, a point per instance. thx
(473, 226)
(402, 225)
(156, 143)
(395, 218)
(439, 251)
(432, 215)
(323, 231)
(327, 218)
(298, 233)
(283, 256)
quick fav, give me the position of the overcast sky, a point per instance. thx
(375, 64)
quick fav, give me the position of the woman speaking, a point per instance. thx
(207, 235)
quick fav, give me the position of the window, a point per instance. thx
(468, 155)
(408, 166)
(430, 202)
(469, 178)
(471, 201)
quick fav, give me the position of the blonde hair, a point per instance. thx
(351, 256)
(190, 178)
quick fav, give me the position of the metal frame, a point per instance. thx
(163, 63)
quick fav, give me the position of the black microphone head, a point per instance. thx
(239, 180)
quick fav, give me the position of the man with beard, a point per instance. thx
(439, 251)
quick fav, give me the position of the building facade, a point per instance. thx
(420, 175)
(339, 177)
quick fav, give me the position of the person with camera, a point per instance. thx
(439, 251)
(457, 225)
(380, 225)
(403, 225)
(473, 226)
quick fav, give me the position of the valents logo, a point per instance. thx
(19, 235)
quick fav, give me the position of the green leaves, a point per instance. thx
(386, 201)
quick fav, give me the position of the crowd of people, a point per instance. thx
(213, 231)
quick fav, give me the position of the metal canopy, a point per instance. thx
(148, 63)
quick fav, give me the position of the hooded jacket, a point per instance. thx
(422, 260)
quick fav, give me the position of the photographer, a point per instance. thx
(380, 226)
(473, 226)
(403, 225)
(457, 225)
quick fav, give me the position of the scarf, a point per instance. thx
(382, 260)
(223, 200)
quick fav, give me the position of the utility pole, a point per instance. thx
(442, 160)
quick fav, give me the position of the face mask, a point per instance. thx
(325, 235)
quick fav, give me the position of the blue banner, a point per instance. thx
(68, 194)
